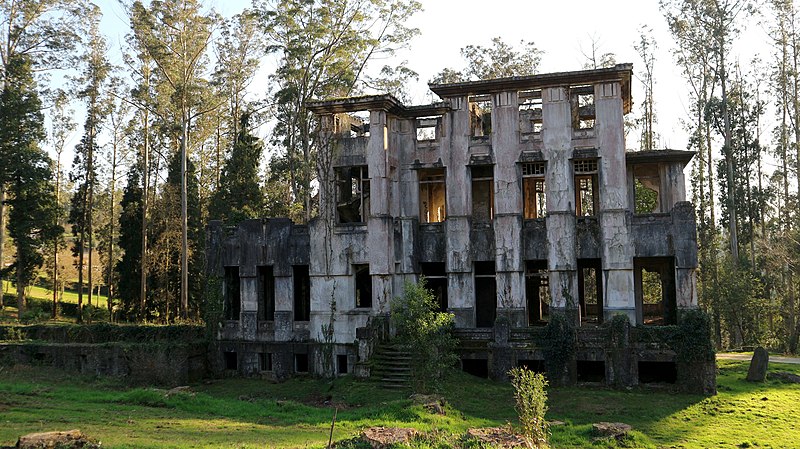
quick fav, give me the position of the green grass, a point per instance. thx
(249, 413)
(47, 295)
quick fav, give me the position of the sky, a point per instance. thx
(563, 30)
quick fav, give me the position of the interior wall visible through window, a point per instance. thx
(533, 190)
(432, 194)
(586, 201)
(480, 115)
(352, 200)
(483, 193)
(530, 112)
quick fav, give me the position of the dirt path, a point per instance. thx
(749, 355)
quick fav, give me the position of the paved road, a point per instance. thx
(749, 355)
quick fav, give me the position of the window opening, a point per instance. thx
(583, 107)
(301, 363)
(535, 365)
(483, 193)
(480, 115)
(654, 289)
(476, 367)
(358, 124)
(537, 291)
(426, 128)
(485, 294)
(432, 194)
(232, 294)
(533, 190)
(436, 282)
(363, 286)
(657, 372)
(646, 187)
(591, 371)
(585, 187)
(231, 360)
(530, 112)
(265, 361)
(341, 364)
(266, 303)
(302, 293)
(352, 203)
(590, 290)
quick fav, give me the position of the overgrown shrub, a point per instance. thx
(428, 332)
(531, 404)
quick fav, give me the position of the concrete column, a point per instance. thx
(248, 290)
(380, 224)
(284, 308)
(615, 235)
(455, 157)
(508, 208)
(560, 187)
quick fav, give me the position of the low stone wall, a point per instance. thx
(163, 355)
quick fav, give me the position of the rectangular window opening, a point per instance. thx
(657, 372)
(530, 112)
(593, 371)
(583, 107)
(232, 294)
(537, 292)
(436, 282)
(533, 190)
(341, 364)
(646, 187)
(231, 360)
(485, 294)
(352, 200)
(427, 128)
(482, 193)
(654, 290)
(480, 115)
(363, 286)
(432, 195)
(301, 363)
(266, 303)
(476, 367)
(302, 292)
(590, 290)
(265, 361)
(586, 200)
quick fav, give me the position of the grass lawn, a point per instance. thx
(47, 295)
(249, 413)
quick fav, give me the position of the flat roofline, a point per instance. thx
(653, 156)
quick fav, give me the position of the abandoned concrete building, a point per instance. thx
(515, 198)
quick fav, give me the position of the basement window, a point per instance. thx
(266, 303)
(352, 201)
(476, 367)
(232, 294)
(583, 108)
(536, 365)
(231, 360)
(480, 115)
(301, 363)
(341, 364)
(363, 286)
(483, 193)
(302, 292)
(657, 372)
(585, 187)
(432, 189)
(591, 371)
(265, 361)
(533, 190)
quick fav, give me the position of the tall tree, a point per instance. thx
(32, 221)
(646, 47)
(324, 49)
(239, 195)
(91, 83)
(176, 34)
(129, 266)
(44, 31)
(496, 61)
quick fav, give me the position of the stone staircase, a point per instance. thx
(391, 366)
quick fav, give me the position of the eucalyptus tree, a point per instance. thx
(646, 47)
(176, 34)
(496, 61)
(324, 49)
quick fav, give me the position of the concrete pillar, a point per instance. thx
(560, 187)
(380, 224)
(284, 306)
(616, 246)
(455, 157)
(508, 208)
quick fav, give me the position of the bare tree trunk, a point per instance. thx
(145, 188)
(2, 237)
(732, 225)
(109, 269)
(184, 220)
(56, 241)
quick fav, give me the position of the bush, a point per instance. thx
(428, 332)
(531, 404)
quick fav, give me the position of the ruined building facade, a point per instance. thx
(517, 201)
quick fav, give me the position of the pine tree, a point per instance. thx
(130, 242)
(239, 195)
